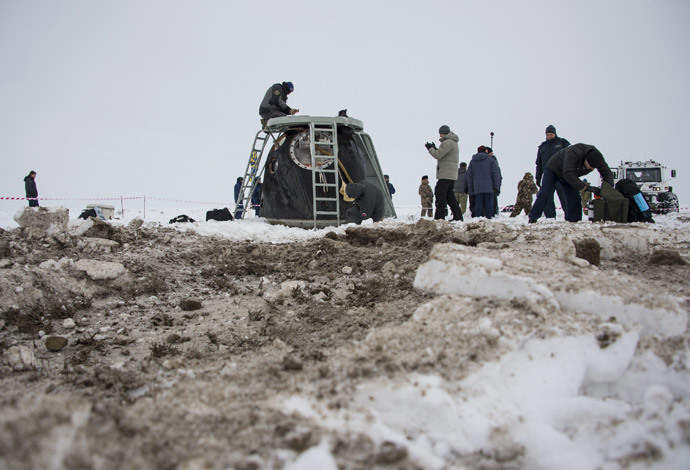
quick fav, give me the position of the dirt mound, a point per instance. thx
(147, 347)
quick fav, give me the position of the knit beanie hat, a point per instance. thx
(594, 158)
(444, 129)
(550, 129)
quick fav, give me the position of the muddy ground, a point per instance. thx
(170, 350)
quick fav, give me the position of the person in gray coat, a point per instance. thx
(448, 156)
(274, 103)
(483, 180)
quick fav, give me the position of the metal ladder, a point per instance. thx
(325, 149)
(244, 198)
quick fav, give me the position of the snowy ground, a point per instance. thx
(404, 344)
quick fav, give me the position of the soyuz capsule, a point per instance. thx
(308, 161)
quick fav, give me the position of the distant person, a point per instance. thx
(546, 150)
(459, 187)
(483, 180)
(448, 157)
(367, 201)
(256, 196)
(274, 103)
(490, 151)
(238, 208)
(391, 188)
(427, 195)
(565, 169)
(526, 188)
(30, 188)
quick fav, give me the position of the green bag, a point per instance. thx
(611, 207)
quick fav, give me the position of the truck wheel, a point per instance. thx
(667, 202)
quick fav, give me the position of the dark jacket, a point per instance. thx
(238, 186)
(459, 185)
(546, 150)
(482, 175)
(368, 197)
(256, 195)
(569, 164)
(391, 188)
(500, 175)
(30, 186)
(275, 99)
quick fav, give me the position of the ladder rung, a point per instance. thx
(326, 213)
(326, 185)
(333, 199)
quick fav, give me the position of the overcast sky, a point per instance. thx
(160, 98)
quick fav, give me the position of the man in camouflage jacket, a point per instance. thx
(526, 188)
(427, 195)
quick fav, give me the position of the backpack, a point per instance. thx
(612, 206)
(638, 209)
(219, 214)
(86, 213)
(181, 218)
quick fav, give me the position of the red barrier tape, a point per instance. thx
(105, 199)
(68, 199)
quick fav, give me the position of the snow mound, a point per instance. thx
(477, 272)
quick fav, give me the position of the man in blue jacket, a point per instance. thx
(391, 188)
(547, 149)
(482, 181)
(256, 196)
(239, 208)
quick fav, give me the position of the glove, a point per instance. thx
(429, 145)
(594, 190)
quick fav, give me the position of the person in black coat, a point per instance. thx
(30, 188)
(256, 197)
(274, 103)
(367, 201)
(564, 169)
(239, 208)
(547, 149)
(483, 180)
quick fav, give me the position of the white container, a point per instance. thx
(108, 211)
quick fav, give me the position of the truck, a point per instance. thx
(653, 180)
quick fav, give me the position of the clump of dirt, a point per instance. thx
(588, 249)
(190, 304)
(667, 258)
